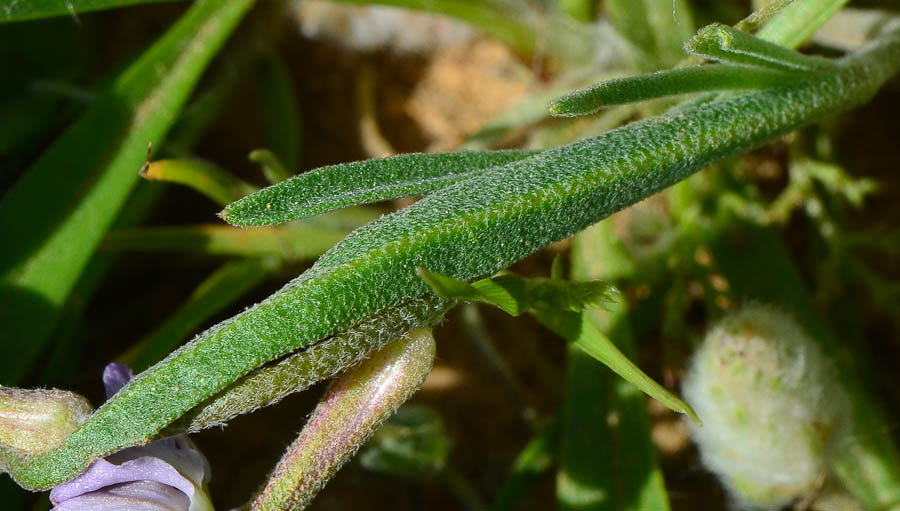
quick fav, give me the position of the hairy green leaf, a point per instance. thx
(732, 46)
(467, 230)
(667, 83)
(220, 289)
(361, 182)
(271, 383)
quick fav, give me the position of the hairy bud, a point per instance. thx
(770, 406)
(33, 421)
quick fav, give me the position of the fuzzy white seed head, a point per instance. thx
(770, 405)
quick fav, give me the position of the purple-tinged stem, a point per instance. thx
(353, 408)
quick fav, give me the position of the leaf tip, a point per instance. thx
(146, 166)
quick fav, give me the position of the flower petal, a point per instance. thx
(115, 376)
(102, 473)
(133, 496)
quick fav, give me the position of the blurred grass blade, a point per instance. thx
(361, 182)
(729, 45)
(412, 444)
(614, 465)
(534, 460)
(12, 10)
(292, 242)
(55, 215)
(272, 168)
(657, 29)
(581, 10)
(280, 115)
(225, 285)
(797, 21)
(715, 77)
(203, 177)
(487, 15)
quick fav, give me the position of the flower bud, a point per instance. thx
(34, 421)
(770, 406)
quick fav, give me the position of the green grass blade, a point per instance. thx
(730, 45)
(656, 29)
(667, 83)
(271, 166)
(466, 230)
(797, 21)
(361, 182)
(56, 214)
(35, 9)
(206, 178)
(293, 242)
(581, 10)
(220, 289)
(615, 466)
(281, 116)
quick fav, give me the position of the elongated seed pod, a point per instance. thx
(352, 409)
(467, 230)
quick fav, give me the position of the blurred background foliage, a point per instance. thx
(101, 265)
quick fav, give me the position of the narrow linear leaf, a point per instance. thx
(271, 166)
(220, 289)
(34, 9)
(732, 46)
(348, 184)
(270, 384)
(280, 115)
(515, 294)
(715, 77)
(559, 306)
(203, 177)
(466, 230)
(615, 466)
(59, 210)
(294, 242)
(579, 329)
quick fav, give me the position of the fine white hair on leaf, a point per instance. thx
(770, 405)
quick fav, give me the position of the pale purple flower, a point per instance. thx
(166, 475)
